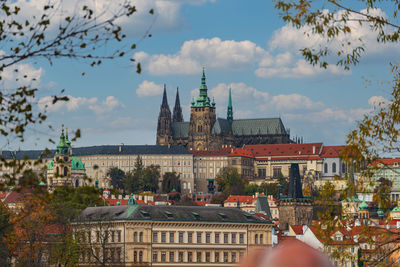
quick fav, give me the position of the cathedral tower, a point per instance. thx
(202, 119)
(164, 129)
(178, 116)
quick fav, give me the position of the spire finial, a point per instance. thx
(165, 100)
(229, 114)
(66, 132)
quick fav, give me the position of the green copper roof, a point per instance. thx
(63, 145)
(42, 183)
(229, 116)
(380, 213)
(396, 209)
(50, 166)
(131, 201)
(203, 100)
(77, 164)
(363, 206)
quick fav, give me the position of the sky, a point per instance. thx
(243, 45)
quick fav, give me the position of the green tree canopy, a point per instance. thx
(230, 182)
(171, 181)
(117, 177)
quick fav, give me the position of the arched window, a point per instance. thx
(57, 171)
(184, 185)
(188, 185)
(333, 167)
(140, 256)
(141, 237)
(76, 183)
(326, 168)
(134, 256)
(135, 237)
(65, 171)
(261, 238)
(256, 239)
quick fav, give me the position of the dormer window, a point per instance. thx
(396, 164)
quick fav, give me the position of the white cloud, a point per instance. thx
(167, 13)
(377, 101)
(147, 88)
(77, 103)
(106, 106)
(21, 75)
(214, 53)
(244, 95)
(289, 38)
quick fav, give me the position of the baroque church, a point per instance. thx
(205, 131)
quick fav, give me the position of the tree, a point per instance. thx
(230, 182)
(117, 177)
(54, 32)
(171, 181)
(5, 230)
(28, 241)
(151, 177)
(382, 193)
(133, 179)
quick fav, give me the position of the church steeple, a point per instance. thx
(164, 99)
(203, 100)
(229, 116)
(164, 129)
(177, 116)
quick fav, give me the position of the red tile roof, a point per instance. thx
(285, 150)
(222, 152)
(113, 201)
(240, 152)
(202, 202)
(297, 229)
(14, 197)
(388, 162)
(331, 151)
(241, 199)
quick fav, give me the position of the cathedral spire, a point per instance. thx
(164, 99)
(177, 116)
(203, 100)
(230, 110)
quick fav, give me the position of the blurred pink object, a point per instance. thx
(290, 253)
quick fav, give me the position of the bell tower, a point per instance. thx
(202, 119)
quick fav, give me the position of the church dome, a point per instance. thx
(363, 206)
(76, 164)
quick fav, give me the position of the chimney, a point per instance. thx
(119, 148)
(313, 149)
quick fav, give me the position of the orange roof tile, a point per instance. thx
(284, 150)
(331, 151)
(240, 152)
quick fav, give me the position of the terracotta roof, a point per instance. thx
(331, 151)
(241, 199)
(305, 157)
(240, 152)
(113, 202)
(222, 152)
(3, 195)
(389, 161)
(282, 150)
(297, 229)
(14, 197)
(202, 202)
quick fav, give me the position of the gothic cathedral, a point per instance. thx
(205, 131)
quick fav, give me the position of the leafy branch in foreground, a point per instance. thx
(52, 34)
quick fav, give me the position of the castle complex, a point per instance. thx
(205, 131)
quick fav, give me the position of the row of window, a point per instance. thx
(200, 237)
(333, 167)
(113, 255)
(196, 256)
(100, 236)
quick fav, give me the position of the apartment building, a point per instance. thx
(146, 235)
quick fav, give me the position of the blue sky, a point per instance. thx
(242, 44)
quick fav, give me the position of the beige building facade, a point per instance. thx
(171, 235)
